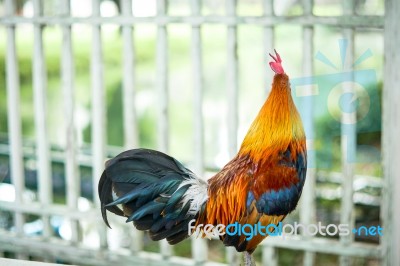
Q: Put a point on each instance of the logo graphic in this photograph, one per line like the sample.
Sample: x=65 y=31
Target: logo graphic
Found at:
x=281 y=230
x=347 y=99
x=368 y=231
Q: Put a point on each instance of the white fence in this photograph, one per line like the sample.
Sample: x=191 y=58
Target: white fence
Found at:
x=50 y=248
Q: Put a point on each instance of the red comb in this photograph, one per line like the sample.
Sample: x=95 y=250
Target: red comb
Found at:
x=276 y=66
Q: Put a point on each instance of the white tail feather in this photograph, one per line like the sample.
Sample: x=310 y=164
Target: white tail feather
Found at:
x=196 y=194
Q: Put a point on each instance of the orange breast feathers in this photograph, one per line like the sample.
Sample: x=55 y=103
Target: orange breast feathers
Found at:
x=229 y=189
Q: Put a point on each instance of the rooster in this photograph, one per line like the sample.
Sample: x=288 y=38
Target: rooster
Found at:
x=260 y=185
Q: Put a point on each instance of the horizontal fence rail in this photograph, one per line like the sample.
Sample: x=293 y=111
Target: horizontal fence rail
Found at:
x=336 y=21
x=348 y=187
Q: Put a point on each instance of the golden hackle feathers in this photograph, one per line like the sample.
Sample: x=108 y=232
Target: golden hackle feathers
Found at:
x=277 y=124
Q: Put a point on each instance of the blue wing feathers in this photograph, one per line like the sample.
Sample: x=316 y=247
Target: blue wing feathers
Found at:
x=153 y=207
x=284 y=200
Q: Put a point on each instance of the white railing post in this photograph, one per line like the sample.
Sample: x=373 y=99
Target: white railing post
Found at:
x=14 y=117
x=73 y=188
x=128 y=100
x=269 y=39
x=14 y=121
x=269 y=254
x=128 y=80
x=390 y=137
x=348 y=141
x=232 y=90
x=199 y=246
x=163 y=96
x=98 y=113
x=308 y=208
x=42 y=141
x=162 y=78
x=232 y=79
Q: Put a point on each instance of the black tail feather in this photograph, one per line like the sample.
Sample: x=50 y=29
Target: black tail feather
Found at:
x=147 y=184
x=144 y=223
x=168 y=233
x=178 y=237
x=105 y=185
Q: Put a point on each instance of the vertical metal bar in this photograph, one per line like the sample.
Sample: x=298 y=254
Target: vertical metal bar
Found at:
x=128 y=98
x=269 y=256
x=348 y=141
x=199 y=246
x=232 y=79
x=14 y=118
x=307 y=211
x=42 y=145
x=197 y=73
x=98 y=102
x=391 y=142
x=232 y=89
x=14 y=122
x=67 y=80
x=98 y=111
x=269 y=36
x=162 y=77
x=128 y=56
x=348 y=148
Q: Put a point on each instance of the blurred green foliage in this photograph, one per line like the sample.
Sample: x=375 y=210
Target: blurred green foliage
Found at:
x=329 y=131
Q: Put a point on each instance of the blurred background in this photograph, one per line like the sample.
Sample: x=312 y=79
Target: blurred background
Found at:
x=178 y=85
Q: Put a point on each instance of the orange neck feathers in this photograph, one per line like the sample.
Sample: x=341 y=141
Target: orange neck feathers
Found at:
x=277 y=125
